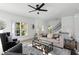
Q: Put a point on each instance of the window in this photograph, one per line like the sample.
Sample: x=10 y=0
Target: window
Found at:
x=21 y=29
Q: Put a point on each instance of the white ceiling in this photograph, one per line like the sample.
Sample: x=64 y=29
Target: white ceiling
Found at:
x=55 y=10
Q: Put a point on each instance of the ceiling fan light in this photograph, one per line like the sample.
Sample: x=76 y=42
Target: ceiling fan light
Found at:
x=37 y=12
x=37 y=6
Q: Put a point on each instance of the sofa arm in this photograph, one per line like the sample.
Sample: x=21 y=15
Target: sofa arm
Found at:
x=16 y=49
x=11 y=53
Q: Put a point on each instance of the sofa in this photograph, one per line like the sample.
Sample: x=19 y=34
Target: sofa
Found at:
x=57 y=41
x=15 y=50
x=6 y=44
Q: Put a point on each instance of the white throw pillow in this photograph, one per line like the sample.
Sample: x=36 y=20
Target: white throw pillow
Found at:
x=50 y=35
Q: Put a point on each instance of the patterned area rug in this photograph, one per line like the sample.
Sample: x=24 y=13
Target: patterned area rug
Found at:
x=29 y=50
x=27 y=42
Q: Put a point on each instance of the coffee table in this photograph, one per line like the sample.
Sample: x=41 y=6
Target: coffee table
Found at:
x=42 y=46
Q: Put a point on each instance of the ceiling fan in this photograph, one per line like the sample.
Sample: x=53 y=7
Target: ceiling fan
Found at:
x=38 y=8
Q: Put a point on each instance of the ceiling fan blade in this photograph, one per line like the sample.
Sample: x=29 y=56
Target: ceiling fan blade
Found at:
x=31 y=6
x=43 y=10
x=41 y=5
x=32 y=11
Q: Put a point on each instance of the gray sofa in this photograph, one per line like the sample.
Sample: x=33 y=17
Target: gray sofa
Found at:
x=16 y=50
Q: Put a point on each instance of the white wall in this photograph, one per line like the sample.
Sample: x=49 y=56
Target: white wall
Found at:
x=70 y=24
x=9 y=19
x=38 y=25
x=52 y=22
x=40 y=22
x=76 y=17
